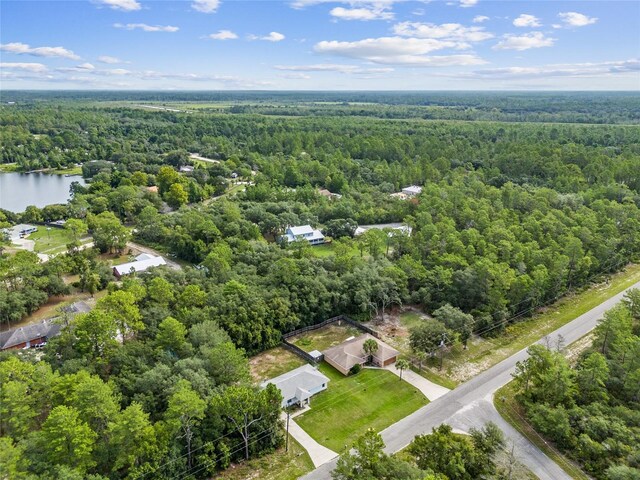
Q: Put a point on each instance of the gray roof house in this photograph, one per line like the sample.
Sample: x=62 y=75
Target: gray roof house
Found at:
x=29 y=335
x=298 y=385
x=304 y=232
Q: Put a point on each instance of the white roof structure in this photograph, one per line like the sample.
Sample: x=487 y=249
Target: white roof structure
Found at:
x=402 y=227
x=301 y=230
x=306 y=232
x=298 y=382
x=412 y=190
x=142 y=263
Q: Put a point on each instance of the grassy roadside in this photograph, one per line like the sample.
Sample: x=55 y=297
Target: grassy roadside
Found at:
x=461 y=365
x=506 y=404
x=279 y=465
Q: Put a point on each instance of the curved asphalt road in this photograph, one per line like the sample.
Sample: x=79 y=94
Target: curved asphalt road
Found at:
x=471 y=405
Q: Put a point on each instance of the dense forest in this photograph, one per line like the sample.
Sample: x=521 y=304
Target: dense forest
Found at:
x=512 y=216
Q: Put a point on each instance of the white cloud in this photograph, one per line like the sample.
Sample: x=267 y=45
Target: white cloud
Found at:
x=451 y=31
x=332 y=67
x=398 y=51
x=295 y=76
x=25 y=67
x=205 y=6
x=363 y=14
x=524 y=42
x=563 y=70
x=110 y=60
x=480 y=18
x=575 y=19
x=125 y=5
x=298 y=4
x=526 y=20
x=86 y=66
x=468 y=3
x=146 y=28
x=223 y=35
x=272 y=37
x=24 y=49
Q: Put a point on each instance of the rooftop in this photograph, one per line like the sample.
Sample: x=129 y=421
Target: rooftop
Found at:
x=350 y=352
x=146 y=261
x=17 y=336
x=305 y=377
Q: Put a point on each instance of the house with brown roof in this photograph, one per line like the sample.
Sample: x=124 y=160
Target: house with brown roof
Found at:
x=351 y=352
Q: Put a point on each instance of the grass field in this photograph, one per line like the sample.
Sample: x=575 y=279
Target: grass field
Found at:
x=324 y=337
x=513 y=413
x=50 y=241
x=68 y=171
x=275 y=466
x=8 y=167
x=460 y=365
x=273 y=362
x=372 y=398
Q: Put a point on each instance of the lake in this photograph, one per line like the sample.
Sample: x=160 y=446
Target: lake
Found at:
x=19 y=190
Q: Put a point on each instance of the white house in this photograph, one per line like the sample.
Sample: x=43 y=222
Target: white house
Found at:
x=298 y=385
x=142 y=262
x=412 y=191
x=304 y=232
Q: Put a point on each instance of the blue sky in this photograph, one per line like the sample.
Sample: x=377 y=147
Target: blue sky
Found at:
x=320 y=45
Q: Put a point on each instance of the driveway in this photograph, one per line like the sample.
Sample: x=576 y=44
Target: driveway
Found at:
x=429 y=389
x=471 y=405
x=319 y=454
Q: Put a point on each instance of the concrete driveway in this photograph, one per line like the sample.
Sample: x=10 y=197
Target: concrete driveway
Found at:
x=429 y=389
x=319 y=454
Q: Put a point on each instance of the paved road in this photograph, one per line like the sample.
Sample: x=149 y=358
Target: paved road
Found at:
x=471 y=404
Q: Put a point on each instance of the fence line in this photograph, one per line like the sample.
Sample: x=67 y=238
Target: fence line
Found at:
x=298 y=351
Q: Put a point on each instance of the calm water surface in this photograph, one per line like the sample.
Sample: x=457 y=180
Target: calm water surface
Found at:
x=19 y=190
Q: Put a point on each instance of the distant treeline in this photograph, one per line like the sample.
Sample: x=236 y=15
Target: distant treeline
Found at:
x=564 y=107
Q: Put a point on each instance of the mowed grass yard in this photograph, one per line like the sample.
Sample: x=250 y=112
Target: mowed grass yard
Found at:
x=273 y=362
x=52 y=241
x=372 y=398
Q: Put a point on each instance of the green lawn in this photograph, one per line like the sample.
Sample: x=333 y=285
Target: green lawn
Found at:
x=279 y=465
x=372 y=398
x=512 y=412
x=50 y=241
x=273 y=362
x=324 y=337
x=8 y=167
x=68 y=171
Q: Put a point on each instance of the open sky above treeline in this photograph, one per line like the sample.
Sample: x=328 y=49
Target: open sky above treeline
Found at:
x=320 y=45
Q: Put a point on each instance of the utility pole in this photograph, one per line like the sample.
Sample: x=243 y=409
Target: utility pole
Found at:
x=442 y=349
x=286 y=448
